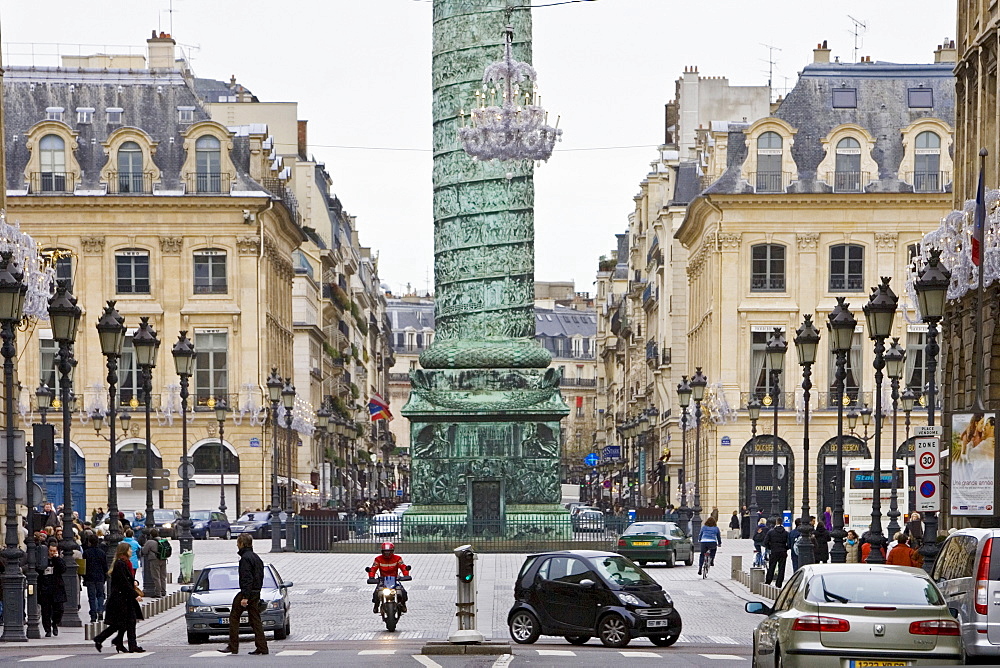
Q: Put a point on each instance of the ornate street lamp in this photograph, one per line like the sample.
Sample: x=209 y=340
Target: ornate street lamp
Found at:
x=64 y=316
x=806 y=344
x=184 y=357
x=684 y=392
x=840 y=325
x=322 y=420
x=288 y=401
x=111 y=333
x=221 y=407
x=146 y=344
x=932 y=291
x=753 y=411
x=777 y=346
x=879 y=312
x=895 y=358
x=698 y=384
x=12 y=293
x=43 y=398
x=274 y=386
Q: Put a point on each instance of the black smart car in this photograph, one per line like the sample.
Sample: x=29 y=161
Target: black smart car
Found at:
x=579 y=594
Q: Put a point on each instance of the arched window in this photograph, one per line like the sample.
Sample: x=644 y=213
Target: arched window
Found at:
x=769 y=177
x=52 y=162
x=927 y=163
x=847 y=268
x=767 y=268
x=848 y=175
x=208 y=164
x=133 y=456
x=206 y=460
x=130 y=168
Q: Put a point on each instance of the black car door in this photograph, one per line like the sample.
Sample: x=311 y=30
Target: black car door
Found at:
x=568 y=604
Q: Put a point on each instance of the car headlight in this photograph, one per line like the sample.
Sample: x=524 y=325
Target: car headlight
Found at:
x=670 y=601
x=199 y=608
x=628 y=599
x=166 y=525
x=199 y=525
x=274 y=605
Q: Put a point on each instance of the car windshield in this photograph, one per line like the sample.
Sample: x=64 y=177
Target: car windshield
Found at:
x=200 y=514
x=622 y=571
x=253 y=517
x=228 y=577
x=873 y=589
x=651 y=528
x=163 y=515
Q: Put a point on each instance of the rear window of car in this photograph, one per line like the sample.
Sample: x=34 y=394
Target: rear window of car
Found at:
x=658 y=529
x=869 y=588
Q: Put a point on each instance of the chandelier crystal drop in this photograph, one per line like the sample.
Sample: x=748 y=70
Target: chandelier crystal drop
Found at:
x=507 y=121
x=39 y=275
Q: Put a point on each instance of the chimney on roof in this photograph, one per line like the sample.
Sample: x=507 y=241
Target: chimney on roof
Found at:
x=161 y=52
x=303 y=144
x=821 y=54
x=946 y=52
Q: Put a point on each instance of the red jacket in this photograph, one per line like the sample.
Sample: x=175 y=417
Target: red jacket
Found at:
x=386 y=567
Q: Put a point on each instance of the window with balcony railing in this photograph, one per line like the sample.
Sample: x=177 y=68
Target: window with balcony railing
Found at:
x=767 y=268
x=847 y=264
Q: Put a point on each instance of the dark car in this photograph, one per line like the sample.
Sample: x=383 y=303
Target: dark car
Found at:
x=257 y=524
x=580 y=594
x=656 y=541
x=209 y=524
x=209 y=600
x=588 y=520
x=165 y=520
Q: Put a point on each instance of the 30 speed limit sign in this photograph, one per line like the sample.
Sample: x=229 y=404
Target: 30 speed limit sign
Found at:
x=926 y=452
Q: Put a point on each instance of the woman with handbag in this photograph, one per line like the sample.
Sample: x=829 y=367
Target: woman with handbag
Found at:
x=121 y=610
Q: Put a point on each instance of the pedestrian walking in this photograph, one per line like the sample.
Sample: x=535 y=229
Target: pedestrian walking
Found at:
x=914 y=529
x=154 y=556
x=793 y=545
x=51 y=591
x=851 y=545
x=734 y=521
x=134 y=544
x=828 y=519
x=776 y=541
x=51 y=518
x=122 y=611
x=903 y=554
x=758 y=542
x=95 y=577
x=247 y=598
x=715 y=514
x=746 y=524
x=822 y=539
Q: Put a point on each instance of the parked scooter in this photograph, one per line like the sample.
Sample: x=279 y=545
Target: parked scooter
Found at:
x=391 y=598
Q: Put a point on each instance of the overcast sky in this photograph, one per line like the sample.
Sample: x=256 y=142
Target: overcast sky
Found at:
x=360 y=71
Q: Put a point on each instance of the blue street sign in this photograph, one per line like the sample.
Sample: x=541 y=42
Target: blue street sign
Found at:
x=399 y=492
x=612 y=452
x=591 y=459
x=254 y=442
x=726 y=441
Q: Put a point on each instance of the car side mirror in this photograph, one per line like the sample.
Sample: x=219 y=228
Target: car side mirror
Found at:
x=287 y=584
x=757 y=608
x=187 y=589
x=588 y=583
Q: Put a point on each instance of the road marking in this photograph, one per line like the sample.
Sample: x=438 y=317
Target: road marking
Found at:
x=426 y=660
x=722 y=640
x=723 y=657
x=435 y=587
x=48 y=657
x=641 y=655
x=367 y=635
x=312 y=637
x=369 y=652
x=555 y=652
x=123 y=656
x=694 y=593
x=209 y=654
x=296 y=652
x=503 y=661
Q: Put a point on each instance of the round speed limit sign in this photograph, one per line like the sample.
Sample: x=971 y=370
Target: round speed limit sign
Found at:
x=927 y=460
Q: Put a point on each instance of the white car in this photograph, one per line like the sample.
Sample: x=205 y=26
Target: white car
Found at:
x=386 y=525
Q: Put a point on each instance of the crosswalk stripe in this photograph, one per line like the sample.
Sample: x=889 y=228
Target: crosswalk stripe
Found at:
x=208 y=654
x=426 y=661
x=555 y=652
x=47 y=657
x=369 y=652
x=296 y=652
x=722 y=640
x=641 y=655
x=124 y=656
x=723 y=657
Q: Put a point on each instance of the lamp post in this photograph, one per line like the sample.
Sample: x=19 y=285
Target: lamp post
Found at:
x=43 y=395
x=879 y=312
x=698 y=384
x=274 y=386
x=184 y=356
x=64 y=315
x=288 y=401
x=322 y=420
x=146 y=344
x=906 y=401
x=111 y=333
x=12 y=292
x=840 y=325
x=331 y=430
x=684 y=392
x=753 y=410
x=806 y=344
x=932 y=291
x=777 y=346
x=220 y=416
x=895 y=357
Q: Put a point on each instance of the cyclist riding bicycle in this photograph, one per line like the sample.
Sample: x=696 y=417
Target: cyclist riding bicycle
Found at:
x=710 y=538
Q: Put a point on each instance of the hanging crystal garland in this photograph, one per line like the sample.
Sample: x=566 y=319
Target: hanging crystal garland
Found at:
x=507 y=121
x=39 y=275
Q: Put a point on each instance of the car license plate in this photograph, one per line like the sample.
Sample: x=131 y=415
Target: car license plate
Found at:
x=244 y=619
x=870 y=663
x=656 y=623
x=644 y=543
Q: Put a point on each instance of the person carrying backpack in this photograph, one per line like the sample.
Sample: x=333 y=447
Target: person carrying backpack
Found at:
x=155 y=553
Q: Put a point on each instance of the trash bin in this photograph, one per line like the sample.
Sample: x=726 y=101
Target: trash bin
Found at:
x=187 y=567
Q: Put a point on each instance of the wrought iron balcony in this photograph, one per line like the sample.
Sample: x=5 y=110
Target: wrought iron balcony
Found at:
x=928 y=182
x=770 y=182
x=52 y=183
x=848 y=181
x=130 y=183
x=211 y=183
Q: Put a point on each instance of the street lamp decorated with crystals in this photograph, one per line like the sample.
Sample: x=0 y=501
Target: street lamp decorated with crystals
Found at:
x=507 y=121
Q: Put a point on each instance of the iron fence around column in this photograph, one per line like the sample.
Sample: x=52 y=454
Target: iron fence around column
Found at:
x=428 y=533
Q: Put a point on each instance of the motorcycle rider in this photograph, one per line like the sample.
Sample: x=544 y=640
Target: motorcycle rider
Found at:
x=388 y=563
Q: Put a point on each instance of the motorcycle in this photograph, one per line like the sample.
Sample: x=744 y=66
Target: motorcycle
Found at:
x=388 y=593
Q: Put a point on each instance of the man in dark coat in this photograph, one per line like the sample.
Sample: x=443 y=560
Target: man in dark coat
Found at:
x=746 y=524
x=776 y=541
x=793 y=536
x=51 y=591
x=247 y=598
x=822 y=539
x=95 y=576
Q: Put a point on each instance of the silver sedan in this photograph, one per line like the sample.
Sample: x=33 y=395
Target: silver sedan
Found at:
x=856 y=616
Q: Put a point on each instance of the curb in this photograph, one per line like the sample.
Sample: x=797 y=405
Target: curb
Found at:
x=443 y=647
x=155 y=622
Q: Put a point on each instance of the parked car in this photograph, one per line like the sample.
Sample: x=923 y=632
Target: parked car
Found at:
x=209 y=524
x=575 y=508
x=385 y=525
x=656 y=541
x=209 y=599
x=969 y=577
x=831 y=615
x=580 y=594
x=165 y=519
x=588 y=520
x=103 y=528
x=401 y=508
x=258 y=524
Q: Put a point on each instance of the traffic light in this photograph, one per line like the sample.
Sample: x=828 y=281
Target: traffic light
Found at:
x=466 y=565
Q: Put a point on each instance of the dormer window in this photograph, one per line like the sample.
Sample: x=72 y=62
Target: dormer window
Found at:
x=845 y=98
x=769 y=177
x=114 y=115
x=54 y=113
x=185 y=114
x=847 y=178
x=920 y=98
x=84 y=115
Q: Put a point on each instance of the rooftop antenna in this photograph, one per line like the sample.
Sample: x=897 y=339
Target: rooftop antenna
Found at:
x=860 y=28
x=770 y=67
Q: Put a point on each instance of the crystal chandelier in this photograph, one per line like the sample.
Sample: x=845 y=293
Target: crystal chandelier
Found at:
x=507 y=121
x=39 y=275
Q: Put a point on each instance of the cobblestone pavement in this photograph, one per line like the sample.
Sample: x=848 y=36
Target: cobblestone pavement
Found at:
x=331 y=602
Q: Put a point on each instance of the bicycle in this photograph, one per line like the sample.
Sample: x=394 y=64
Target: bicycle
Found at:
x=705 y=564
x=758 y=559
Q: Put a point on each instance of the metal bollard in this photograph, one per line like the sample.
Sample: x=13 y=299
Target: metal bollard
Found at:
x=736 y=567
x=756 y=580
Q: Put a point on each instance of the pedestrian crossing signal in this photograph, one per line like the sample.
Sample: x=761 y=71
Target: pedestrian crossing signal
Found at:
x=466 y=565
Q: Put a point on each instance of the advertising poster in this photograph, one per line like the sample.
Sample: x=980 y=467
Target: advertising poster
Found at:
x=972 y=455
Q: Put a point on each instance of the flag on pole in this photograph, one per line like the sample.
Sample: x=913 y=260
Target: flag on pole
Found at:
x=378 y=408
x=980 y=220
